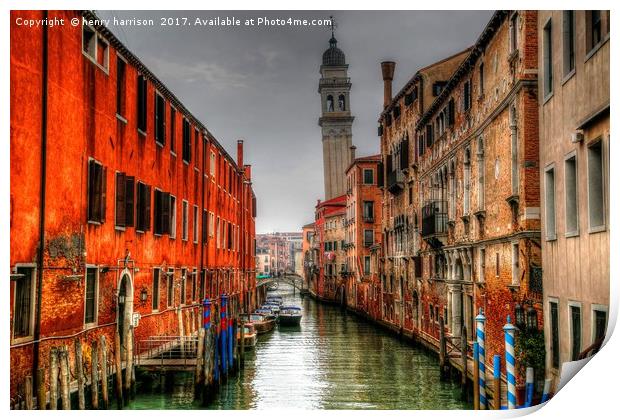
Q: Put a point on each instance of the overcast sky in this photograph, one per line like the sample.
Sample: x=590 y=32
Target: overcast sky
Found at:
x=260 y=84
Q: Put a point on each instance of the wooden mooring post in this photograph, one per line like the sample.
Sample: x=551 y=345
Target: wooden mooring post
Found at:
x=94 y=376
x=53 y=378
x=41 y=393
x=242 y=334
x=442 y=349
x=64 y=378
x=103 y=352
x=119 y=371
x=79 y=372
x=235 y=355
x=28 y=392
x=464 y=361
x=199 y=380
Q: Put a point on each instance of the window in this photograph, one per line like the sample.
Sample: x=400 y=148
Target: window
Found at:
x=596 y=206
x=96 y=191
x=195 y=225
x=170 y=285
x=183 y=283
x=196 y=145
x=185 y=221
x=593 y=28
x=550 y=203
x=497 y=264
x=570 y=188
x=125 y=195
x=481 y=78
x=217 y=232
x=95 y=47
x=173 y=217
x=600 y=322
x=369 y=177
x=205 y=224
x=367 y=265
x=466 y=180
x=90 y=296
x=555 y=334
x=547 y=60
x=143 y=208
x=369 y=211
x=341 y=103
x=187 y=141
x=194 y=284
x=514 y=31
x=451 y=112
x=568 y=41
x=23 y=303
x=368 y=237
x=467 y=95
x=429 y=135
x=229 y=235
x=212 y=164
x=161 y=212
x=515 y=264
x=211 y=224
x=141 y=103
x=481 y=264
x=575 y=326
x=156 y=276
x=160 y=119
x=120 y=85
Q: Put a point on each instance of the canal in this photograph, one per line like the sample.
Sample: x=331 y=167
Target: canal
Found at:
x=334 y=360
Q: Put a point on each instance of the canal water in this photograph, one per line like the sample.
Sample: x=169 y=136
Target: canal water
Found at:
x=334 y=360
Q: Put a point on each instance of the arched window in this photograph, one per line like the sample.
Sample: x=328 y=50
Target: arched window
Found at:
x=341 y=103
x=330 y=103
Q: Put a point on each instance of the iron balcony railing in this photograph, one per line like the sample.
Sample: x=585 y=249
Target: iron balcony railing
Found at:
x=182 y=349
x=434 y=218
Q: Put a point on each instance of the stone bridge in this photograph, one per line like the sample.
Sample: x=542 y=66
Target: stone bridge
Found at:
x=290 y=279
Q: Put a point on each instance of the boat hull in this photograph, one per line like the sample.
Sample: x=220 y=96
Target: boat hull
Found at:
x=265 y=326
x=289 y=320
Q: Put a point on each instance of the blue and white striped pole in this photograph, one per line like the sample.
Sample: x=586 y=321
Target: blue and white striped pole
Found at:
x=509 y=334
x=480 y=320
x=497 y=387
x=529 y=386
x=546 y=391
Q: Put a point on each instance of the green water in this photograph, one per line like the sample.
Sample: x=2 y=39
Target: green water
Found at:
x=332 y=361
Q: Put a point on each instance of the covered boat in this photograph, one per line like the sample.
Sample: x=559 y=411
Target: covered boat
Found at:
x=290 y=315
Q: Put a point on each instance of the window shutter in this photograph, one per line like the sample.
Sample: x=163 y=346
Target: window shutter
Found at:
x=204 y=226
x=165 y=212
x=147 y=207
x=121 y=184
x=92 y=174
x=404 y=153
x=389 y=164
x=104 y=183
x=156 y=112
x=129 y=200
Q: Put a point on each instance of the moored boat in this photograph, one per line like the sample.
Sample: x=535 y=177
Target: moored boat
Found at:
x=250 y=335
x=262 y=323
x=290 y=315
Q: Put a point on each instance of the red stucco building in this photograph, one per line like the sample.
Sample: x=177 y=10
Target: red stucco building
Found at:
x=122 y=202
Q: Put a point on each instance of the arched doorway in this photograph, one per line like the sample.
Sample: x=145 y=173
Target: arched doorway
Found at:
x=124 y=307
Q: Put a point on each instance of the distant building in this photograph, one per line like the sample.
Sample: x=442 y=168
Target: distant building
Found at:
x=574 y=94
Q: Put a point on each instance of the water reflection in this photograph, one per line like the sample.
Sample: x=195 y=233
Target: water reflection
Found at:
x=331 y=361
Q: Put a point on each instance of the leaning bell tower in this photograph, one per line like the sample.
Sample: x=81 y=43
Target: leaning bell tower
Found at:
x=336 y=119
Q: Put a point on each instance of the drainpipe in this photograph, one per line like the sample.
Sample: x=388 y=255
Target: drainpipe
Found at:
x=41 y=250
x=203 y=272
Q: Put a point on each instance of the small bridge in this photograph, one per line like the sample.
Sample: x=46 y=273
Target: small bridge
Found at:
x=290 y=279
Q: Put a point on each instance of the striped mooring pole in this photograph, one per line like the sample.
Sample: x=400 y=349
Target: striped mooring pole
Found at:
x=497 y=385
x=546 y=391
x=230 y=339
x=480 y=320
x=529 y=386
x=509 y=334
x=223 y=335
x=206 y=321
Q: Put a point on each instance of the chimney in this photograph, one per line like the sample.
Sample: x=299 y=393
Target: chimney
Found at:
x=352 y=148
x=240 y=153
x=387 y=70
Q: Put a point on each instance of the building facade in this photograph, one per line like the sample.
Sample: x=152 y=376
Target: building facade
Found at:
x=125 y=211
x=400 y=261
x=363 y=234
x=336 y=119
x=574 y=171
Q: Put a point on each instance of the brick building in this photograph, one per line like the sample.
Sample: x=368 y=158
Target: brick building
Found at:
x=574 y=169
x=123 y=205
x=477 y=173
x=309 y=249
x=363 y=234
x=400 y=239
x=330 y=234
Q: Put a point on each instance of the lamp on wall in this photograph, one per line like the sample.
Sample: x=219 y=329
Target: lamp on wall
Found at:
x=519 y=316
x=143 y=295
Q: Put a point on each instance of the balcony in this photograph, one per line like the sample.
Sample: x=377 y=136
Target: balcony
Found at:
x=434 y=221
x=369 y=219
x=396 y=182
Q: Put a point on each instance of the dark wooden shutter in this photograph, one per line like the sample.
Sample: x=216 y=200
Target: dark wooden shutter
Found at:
x=92 y=175
x=388 y=163
x=147 y=207
x=104 y=185
x=451 y=112
x=404 y=153
x=165 y=212
x=121 y=207
x=380 y=174
x=129 y=200
x=204 y=226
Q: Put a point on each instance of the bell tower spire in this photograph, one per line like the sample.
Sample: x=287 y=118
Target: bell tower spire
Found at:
x=336 y=119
